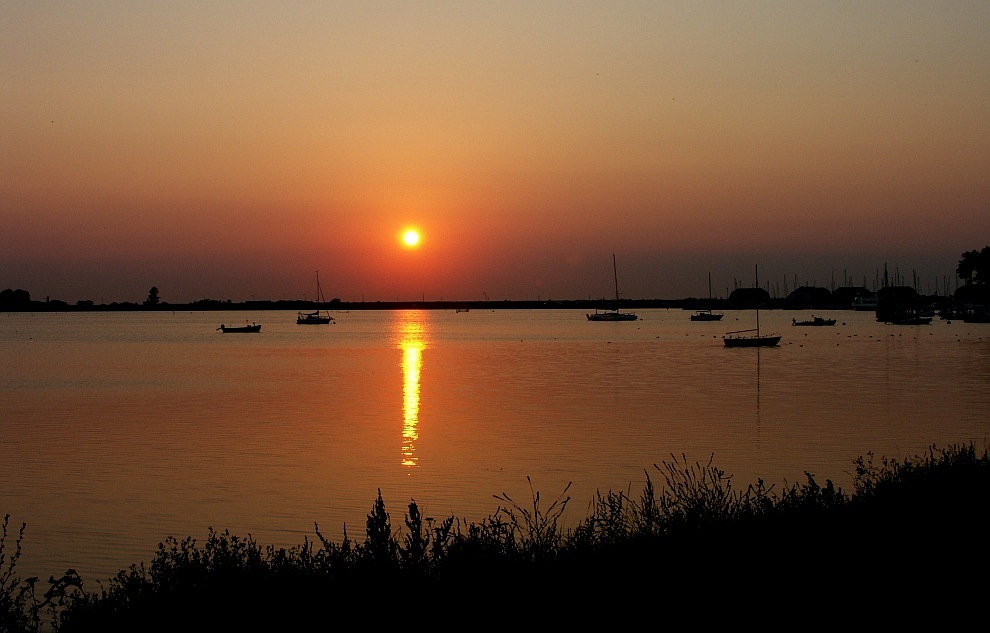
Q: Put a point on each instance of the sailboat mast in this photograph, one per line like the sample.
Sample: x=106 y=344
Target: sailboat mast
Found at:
x=756 y=274
x=615 y=275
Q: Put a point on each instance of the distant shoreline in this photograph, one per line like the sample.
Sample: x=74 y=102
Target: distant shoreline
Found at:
x=209 y=305
x=343 y=306
x=804 y=298
x=739 y=299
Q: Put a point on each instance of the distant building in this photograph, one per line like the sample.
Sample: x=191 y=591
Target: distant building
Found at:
x=809 y=297
x=743 y=298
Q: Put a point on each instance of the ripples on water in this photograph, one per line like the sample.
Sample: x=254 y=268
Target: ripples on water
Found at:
x=123 y=428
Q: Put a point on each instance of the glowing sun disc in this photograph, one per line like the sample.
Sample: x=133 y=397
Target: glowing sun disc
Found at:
x=410 y=237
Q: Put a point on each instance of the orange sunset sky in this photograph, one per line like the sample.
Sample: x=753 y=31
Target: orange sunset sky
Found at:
x=228 y=150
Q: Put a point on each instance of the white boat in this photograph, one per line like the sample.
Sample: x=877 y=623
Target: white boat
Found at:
x=752 y=337
x=614 y=314
x=316 y=317
x=866 y=302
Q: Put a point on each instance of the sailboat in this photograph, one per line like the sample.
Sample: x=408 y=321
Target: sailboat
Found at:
x=751 y=337
x=316 y=317
x=613 y=314
x=707 y=315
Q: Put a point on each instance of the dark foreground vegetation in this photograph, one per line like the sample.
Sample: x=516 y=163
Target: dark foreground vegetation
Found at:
x=909 y=546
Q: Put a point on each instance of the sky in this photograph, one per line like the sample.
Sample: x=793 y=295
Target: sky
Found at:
x=235 y=150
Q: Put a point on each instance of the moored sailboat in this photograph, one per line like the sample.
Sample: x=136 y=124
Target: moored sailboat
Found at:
x=613 y=314
x=707 y=314
x=752 y=337
x=317 y=317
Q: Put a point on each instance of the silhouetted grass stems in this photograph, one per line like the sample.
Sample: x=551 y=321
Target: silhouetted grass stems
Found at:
x=694 y=540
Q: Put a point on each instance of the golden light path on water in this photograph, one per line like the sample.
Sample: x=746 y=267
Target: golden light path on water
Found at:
x=412 y=341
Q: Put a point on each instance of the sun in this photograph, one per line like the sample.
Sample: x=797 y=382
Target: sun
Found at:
x=410 y=238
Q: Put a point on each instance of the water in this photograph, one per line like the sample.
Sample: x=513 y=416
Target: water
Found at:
x=120 y=429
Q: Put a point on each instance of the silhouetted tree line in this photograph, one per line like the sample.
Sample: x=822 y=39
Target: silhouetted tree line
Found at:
x=14 y=298
x=974 y=267
x=974 y=270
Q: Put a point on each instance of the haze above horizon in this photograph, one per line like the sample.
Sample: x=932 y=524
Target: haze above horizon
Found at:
x=231 y=150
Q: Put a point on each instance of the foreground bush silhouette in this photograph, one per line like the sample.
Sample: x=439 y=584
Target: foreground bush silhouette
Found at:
x=913 y=533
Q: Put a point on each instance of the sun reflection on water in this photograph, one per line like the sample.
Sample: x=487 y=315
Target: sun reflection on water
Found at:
x=411 y=330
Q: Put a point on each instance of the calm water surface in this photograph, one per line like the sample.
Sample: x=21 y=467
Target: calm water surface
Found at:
x=119 y=429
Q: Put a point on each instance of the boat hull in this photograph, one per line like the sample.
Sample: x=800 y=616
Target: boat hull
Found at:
x=908 y=320
x=815 y=322
x=612 y=316
x=246 y=329
x=311 y=320
x=752 y=341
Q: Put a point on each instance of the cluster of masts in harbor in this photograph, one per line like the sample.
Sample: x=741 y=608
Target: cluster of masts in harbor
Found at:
x=880 y=280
